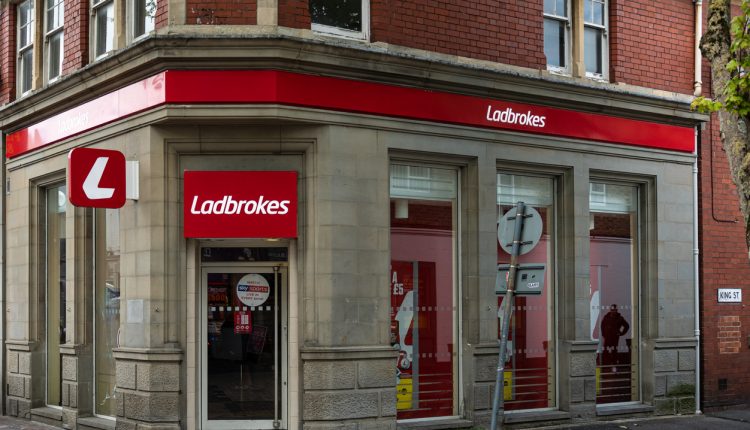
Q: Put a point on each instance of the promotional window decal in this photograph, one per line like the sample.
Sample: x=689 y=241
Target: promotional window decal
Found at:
x=253 y=290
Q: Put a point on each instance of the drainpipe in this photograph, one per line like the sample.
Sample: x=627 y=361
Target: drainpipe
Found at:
x=696 y=282
x=697 y=82
x=697 y=90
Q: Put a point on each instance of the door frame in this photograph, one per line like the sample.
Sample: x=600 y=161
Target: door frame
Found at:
x=283 y=315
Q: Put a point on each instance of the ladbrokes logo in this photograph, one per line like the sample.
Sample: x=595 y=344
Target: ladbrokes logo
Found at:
x=229 y=206
x=507 y=116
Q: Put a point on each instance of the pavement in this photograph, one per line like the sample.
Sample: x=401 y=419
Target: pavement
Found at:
x=738 y=419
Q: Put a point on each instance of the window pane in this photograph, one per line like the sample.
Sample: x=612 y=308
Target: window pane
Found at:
x=55 y=52
x=346 y=14
x=549 y=6
x=25 y=24
x=26 y=70
x=598 y=13
x=530 y=368
x=554 y=42
x=561 y=8
x=145 y=13
x=592 y=48
x=107 y=308
x=55 y=288
x=105 y=29
x=54 y=14
x=422 y=288
x=613 y=292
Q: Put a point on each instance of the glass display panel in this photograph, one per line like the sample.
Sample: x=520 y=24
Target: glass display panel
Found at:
x=107 y=309
x=242 y=358
x=422 y=288
x=529 y=375
x=346 y=14
x=613 y=289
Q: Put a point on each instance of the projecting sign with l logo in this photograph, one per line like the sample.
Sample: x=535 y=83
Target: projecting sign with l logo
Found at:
x=96 y=178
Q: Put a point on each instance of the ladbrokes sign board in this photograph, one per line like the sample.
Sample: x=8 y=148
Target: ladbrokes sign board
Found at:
x=240 y=204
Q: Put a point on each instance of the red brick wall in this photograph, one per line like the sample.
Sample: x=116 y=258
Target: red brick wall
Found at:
x=221 y=12
x=162 y=13
x=294 y=13
x=651 y=43
x=7 y=52
x=506 y=31
x=76 y=40
x=724 y=264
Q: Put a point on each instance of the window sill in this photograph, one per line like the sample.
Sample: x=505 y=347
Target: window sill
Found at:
x=623 y=409
x=448 y=423
x=535 y=416
x=47 y=415
x=96 y=423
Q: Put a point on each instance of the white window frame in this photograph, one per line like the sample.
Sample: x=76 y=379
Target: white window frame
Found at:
x=363 y=34
x=604 y=40
x=94 y=28
x=131 y=17
x=49 y=34
x=567 y=20
x=21 y=50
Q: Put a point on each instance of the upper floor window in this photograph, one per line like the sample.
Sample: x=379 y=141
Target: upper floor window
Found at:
x=348 y=18
x=103 y=28
x=594 y=37
x=563 y=31
x=556 y=34
x=54 y=39
x=25 y=46
x=144 y=17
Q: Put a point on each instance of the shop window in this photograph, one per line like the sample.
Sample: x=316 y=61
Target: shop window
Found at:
x=594 y=37
x=103 y=27
x=25 y=47
x=144 y=17
x=423 y=289
x=106 y=308
x=614 y=290
x=54 y=291
x=530 y=373
x=54 y=39
x=348 y=18
x=556 y=34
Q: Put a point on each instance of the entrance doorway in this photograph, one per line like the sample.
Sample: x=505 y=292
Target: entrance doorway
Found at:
x=244 y=342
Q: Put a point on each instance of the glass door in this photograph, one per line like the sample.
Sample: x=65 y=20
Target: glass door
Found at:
x=244 y=346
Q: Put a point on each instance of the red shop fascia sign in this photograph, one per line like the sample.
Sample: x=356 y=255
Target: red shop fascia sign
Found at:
x=257 y=87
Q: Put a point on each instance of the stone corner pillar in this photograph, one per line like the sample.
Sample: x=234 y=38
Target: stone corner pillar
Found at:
x=148 y=388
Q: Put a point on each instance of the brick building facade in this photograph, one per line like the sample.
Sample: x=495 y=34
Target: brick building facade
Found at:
x=411 y=126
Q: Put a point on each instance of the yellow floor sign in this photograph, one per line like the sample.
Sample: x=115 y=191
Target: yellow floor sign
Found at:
x=508 y=385
x=404 y=394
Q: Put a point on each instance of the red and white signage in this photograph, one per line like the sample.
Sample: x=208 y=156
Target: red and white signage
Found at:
x=240 y=204
x=320 y=92
x=96 y=178
x=253 y=290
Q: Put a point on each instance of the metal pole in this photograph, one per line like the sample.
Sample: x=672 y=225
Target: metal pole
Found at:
x=276 y=355
x=498 y=403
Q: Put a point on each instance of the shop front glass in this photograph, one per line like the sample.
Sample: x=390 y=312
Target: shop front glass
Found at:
x=55 y=256
x=106 y=308
x=244 y=344
x=423 y=289
x=613 y=245
x=530 y=374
